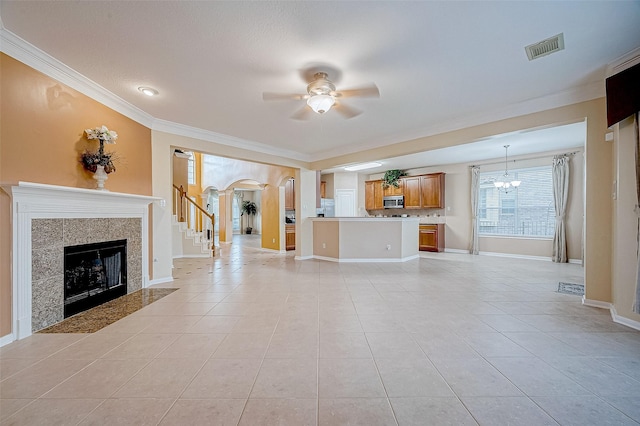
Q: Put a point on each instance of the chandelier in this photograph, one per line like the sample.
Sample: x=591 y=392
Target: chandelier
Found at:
x=506 y=184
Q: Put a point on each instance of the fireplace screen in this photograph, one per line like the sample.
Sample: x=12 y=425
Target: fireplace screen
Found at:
x=94 y=274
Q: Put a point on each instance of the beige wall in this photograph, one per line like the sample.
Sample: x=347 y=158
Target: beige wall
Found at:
x=365 y=238
x=625 y=221
x=328 y=178
x=41 y=139
x=326 y=241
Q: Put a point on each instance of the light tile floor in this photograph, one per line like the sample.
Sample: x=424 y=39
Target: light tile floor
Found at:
x=256 y=338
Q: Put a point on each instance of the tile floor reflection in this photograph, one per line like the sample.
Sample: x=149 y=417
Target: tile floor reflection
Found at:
x=257 y=338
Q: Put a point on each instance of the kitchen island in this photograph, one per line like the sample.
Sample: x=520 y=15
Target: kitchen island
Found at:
x=365 y=239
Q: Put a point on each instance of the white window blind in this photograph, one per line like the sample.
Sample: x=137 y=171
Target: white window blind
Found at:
x=524 y=212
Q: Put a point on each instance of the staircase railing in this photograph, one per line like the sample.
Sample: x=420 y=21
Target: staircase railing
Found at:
x=197 y=218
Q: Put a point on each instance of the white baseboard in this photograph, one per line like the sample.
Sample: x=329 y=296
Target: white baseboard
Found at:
x=624 y=321
x=276 y=251
x=355 y=260
x=161 y=281
x=596 y=303
x=614 y=314
x=303 y=257
x=192 y=256
x=450 y=250
x=5 y=340
x=515 y=256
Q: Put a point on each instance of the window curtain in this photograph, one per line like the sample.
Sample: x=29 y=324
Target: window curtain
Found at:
x=560 y=173
x=475 y=194
x=636 y=305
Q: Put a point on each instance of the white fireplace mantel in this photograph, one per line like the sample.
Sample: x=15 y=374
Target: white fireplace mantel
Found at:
x=39 y=201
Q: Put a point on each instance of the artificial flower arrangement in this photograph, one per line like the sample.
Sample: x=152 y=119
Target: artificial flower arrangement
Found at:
x=91 y=159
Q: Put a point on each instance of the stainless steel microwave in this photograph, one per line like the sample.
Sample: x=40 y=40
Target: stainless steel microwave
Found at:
x=393 y=202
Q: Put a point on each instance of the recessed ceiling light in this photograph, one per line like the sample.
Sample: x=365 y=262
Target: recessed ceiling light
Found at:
x=148 y=91
x=362 y=166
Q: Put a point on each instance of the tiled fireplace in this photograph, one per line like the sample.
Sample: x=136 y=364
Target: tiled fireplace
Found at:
x=48 y=218
x=50 y=238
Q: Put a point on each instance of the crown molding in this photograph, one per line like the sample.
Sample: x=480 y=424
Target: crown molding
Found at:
x=574 y=95
x=37 y=59
x=222 y=139
x=623 y=62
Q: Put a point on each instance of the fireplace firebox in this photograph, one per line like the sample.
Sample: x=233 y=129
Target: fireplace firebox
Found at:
x=94 y=274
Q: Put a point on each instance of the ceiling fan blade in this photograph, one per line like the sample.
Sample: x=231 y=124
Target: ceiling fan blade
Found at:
x=346 y=111
x=268 y=96
x=370 y=91
x=303 y=113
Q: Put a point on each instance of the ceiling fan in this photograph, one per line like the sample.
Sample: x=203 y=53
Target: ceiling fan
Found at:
x=322 y=96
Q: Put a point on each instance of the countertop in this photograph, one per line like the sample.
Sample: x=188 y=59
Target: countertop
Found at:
x=429 y=220
x=368 y=219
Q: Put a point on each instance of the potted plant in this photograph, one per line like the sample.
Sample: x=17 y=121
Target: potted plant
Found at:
x=250 y=208
x=391 y=178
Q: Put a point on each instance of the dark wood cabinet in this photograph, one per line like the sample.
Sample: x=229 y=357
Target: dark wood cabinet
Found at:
x=431 y=237
x=290 y=237
x=289 y=195
x=373 y=195
x=412 y=193
x=432 y=189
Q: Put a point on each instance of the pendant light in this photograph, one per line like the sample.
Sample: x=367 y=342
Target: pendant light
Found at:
x=506 y=184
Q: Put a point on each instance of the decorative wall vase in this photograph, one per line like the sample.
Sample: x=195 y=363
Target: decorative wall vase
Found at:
x=100 y=176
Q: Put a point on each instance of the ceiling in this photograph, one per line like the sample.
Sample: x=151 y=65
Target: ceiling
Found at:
x=439 y=65
x=521 y=144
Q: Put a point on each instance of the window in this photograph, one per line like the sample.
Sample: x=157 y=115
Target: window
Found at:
x=191 y=169
x=526 y=212
x=236 y=208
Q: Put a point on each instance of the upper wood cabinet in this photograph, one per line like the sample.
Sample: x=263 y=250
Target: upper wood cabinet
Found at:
x=420 y=192
x=323 y=189
x=432 y=189
x=289 y=195
x=392 y=190
x=412 y=193
x=373 y=195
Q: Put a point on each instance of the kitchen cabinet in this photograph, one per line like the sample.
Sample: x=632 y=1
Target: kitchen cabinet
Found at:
x=290 y=237
x=323 y=189
x=373 y=195
x=431 y=237
x=412 y=193
x=392 y=190
x=289 y=195
x=432 y=190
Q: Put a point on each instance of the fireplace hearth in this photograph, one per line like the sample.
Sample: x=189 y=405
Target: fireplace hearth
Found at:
x=94 y=274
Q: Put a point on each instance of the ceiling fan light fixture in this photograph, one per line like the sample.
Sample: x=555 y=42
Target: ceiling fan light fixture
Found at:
x=321 y=103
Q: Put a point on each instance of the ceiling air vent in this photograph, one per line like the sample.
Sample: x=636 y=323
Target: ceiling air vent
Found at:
x=545 y=47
